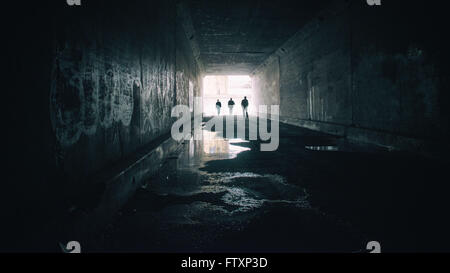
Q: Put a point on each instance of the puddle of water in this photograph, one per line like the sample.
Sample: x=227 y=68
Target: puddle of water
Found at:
x=234 y=192
x=323 y=148
x=211 y=148
x=213 y=145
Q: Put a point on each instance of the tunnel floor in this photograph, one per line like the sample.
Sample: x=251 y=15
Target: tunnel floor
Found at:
x=316 y=193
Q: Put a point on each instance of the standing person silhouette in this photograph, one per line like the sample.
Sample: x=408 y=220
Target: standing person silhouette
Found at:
x=218 y=106
x=245 y=105
x=231 y=106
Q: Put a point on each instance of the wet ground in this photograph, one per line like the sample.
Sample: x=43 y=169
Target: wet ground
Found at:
x=316 y=193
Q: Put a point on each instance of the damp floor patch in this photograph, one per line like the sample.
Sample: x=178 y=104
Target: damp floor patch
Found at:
x=322 y=148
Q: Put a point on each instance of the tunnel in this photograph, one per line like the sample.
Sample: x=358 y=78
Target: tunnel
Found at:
x=336 y=139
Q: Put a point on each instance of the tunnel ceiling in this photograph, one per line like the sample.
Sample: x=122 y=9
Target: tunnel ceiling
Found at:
x=234 y=37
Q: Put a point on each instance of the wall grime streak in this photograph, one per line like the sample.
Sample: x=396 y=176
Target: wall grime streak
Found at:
x=82 y=98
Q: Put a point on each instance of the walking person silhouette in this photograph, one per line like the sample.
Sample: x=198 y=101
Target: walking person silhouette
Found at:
x=231 y=106
x=218 y=107
x=245 y=105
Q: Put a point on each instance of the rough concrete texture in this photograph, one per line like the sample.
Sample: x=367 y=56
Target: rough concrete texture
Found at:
x=104 y=84
x=342 y=75
x=189 y=81
x=112 y=86
x=121 y=182
x=316 y=193
x=266 y=84
x=89 y=91
x=236 y=36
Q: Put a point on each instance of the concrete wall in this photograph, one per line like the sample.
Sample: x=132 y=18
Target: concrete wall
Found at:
x=113 y=82
x=93 y=93
x=373 y=74
x=187 y=69
x=266 y=84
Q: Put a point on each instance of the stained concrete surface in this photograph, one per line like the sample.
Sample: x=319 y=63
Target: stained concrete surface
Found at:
x=375 y=81
x=94 y=85
x=101 y=81
x=317 y=193
x=234 y=37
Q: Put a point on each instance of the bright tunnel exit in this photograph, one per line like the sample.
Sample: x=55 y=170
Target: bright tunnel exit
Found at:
x=224 y=88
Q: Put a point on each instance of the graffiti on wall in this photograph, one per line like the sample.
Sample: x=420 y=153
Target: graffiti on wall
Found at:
x=89 y=91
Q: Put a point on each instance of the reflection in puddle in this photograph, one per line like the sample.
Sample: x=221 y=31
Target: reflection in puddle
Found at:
x=197 y=152
x=323 y=148
x=212 y=145
x=225 y=193
x=223 y=147
x=221 y=195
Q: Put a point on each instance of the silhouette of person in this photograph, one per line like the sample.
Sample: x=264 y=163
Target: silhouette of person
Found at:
x=218 y=106
x=245 y=105
x=231 y=106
